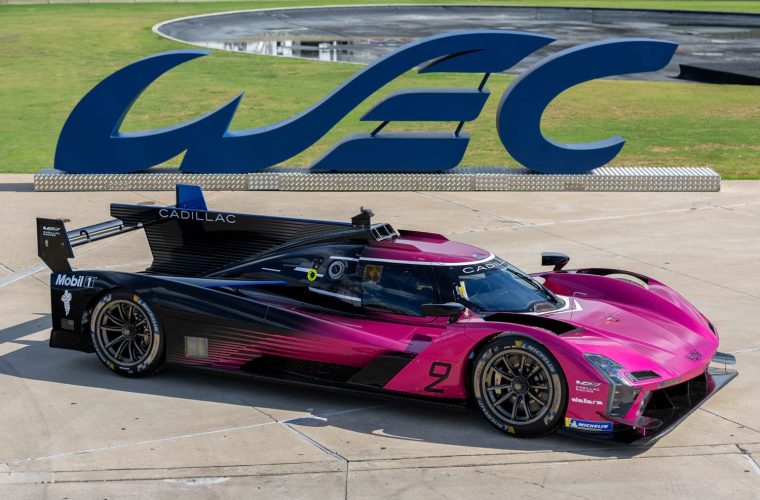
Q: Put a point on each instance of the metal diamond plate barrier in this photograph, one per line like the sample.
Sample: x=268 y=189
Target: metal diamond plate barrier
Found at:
x=603 y=179
x=460 y=179
x=158 y=180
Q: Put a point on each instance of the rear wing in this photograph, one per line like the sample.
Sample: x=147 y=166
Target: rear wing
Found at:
x=187 y=239
x=54 y=243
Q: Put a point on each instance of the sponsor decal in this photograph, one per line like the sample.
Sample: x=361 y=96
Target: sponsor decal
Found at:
x=588 y=425
x=74 y=281
x=585 y=401
x=336 y=269
x=66 y=299
x=587 y=384
x=587 y=387
x=51 y=231
x=694 y=356
x=166 y=213
x=483 y=267
x=550 y=416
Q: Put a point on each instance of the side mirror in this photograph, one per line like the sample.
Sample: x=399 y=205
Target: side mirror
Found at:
x=556 y=259
x=451 y=310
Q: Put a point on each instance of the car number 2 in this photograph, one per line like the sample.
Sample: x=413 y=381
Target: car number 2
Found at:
x=440 y=372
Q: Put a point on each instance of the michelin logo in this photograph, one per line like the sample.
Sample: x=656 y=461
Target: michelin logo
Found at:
x=74 y=281
x=66 y=299
x=588 y=425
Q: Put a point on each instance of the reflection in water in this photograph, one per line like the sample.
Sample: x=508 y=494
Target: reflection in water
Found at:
x=361 y=35
x=364 y=50
x=744 y=34
x=359 y=51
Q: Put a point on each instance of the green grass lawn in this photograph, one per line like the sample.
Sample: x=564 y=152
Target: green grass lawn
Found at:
x=51 y=55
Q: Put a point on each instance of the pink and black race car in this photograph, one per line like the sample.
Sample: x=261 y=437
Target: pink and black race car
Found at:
x=601 y=353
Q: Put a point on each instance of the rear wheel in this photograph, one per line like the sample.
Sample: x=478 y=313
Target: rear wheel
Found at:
x=126 y=334
x=519 y=386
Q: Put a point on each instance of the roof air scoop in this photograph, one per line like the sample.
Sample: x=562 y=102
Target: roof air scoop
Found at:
x=363 y=218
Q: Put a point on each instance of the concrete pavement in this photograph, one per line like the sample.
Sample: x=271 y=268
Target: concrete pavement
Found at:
x=71 y=429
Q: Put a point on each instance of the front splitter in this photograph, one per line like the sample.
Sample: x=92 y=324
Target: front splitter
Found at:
x=717 y=379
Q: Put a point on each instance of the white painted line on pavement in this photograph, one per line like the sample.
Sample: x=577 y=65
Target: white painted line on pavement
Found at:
x=551 y=464
x=22 y=274
x=528 y=225
x=9 y=347
x=41 y=267
x=752 y=463
x=182 y=436
x=198 y=481
x=751 y=349
x=139 y=443
x=27 y=477
x=352 y=410
x=41 y=336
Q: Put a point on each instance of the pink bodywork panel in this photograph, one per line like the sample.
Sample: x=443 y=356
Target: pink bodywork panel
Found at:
x=641 y=329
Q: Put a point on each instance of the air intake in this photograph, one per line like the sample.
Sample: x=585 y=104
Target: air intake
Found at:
x=643 y=375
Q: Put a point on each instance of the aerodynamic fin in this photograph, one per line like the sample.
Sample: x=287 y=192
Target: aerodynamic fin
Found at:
x=53 y=245
x=187 y=239
x=191 y=197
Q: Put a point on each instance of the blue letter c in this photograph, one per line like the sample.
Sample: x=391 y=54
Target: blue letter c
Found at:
x=518 y=119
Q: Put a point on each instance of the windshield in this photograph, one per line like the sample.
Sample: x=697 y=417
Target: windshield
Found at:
x=497 y=285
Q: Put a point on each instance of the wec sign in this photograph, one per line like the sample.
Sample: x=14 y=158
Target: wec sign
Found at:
x=91 y=142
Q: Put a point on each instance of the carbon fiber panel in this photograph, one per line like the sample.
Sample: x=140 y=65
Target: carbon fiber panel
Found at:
x=63 y=339
x=191 y=243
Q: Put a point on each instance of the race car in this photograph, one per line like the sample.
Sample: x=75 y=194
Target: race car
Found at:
x=600 y=353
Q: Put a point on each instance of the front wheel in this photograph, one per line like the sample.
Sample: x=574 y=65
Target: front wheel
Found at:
x=519 y=386
x=126 y=334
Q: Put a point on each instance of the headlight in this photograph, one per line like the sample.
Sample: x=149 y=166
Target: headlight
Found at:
x=622 y=395
x=612 y=371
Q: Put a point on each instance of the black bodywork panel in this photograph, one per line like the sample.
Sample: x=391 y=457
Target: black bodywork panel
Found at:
x=553 y=325
x=381 y=370
x=188 y=242
x=53 y=245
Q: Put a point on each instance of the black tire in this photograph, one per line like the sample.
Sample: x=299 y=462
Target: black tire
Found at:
x=518 y=386
x=126 y=334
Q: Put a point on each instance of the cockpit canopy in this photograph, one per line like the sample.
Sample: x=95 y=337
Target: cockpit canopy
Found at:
x=340 y=275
